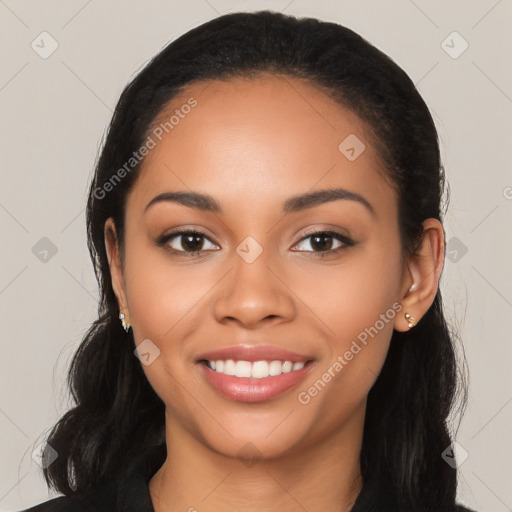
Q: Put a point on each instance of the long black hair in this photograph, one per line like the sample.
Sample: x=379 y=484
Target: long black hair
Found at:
x=407 y=427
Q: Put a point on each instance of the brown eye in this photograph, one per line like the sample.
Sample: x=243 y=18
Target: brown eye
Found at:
x=186 y=243
x=322 y=242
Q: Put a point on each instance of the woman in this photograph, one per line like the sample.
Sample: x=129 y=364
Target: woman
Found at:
x=266 y=228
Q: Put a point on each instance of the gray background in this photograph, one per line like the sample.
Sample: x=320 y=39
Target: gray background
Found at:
x=55 y=110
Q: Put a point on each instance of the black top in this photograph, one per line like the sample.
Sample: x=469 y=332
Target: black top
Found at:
x=130 y=495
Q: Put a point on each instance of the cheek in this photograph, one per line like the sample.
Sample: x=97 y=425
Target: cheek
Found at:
x=159 y=294
x=352 y=296
x=357 y=303
x=163 y=302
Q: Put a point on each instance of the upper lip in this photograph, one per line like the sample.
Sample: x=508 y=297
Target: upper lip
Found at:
x=253 y=353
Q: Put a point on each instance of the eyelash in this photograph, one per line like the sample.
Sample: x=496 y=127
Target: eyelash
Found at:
x=162 y=241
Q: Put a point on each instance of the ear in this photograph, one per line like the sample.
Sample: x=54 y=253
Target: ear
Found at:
x=115 y=264
x=421 y=279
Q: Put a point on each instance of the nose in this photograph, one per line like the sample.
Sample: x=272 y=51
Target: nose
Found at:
x=254 y=294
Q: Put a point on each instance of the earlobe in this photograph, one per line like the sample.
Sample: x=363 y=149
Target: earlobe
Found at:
x=410 y=319
x=422 y=276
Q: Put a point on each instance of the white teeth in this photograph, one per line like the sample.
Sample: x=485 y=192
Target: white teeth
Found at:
x=229 y=367
x=275 y=368
x=242 y=369
x=287 y=367
x=259 y=369
x=256 y=369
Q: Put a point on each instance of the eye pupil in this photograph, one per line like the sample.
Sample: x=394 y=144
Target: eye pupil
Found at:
x=322 y=246
x=189 y=242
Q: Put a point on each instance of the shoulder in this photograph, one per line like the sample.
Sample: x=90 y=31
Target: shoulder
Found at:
x=59 y=504
x=128 y=491
x=102 y=499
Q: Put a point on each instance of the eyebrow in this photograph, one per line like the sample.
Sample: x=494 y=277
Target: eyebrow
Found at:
x=296 y=203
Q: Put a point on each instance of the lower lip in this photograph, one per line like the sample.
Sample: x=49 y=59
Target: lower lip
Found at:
x=245 y=389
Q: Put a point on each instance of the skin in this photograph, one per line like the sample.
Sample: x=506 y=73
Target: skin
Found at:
x=251 y=144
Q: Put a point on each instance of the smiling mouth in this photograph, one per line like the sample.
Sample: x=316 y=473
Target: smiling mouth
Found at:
x=254 y=369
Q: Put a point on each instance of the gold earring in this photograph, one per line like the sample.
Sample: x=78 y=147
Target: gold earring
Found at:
x=410 y=319
x=126 y=325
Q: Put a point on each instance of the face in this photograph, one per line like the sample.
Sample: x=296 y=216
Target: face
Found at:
x=255 y=273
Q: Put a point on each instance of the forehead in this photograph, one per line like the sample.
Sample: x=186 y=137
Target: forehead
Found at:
x=262 y=139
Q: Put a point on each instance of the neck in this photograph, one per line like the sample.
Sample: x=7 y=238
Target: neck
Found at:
x=323 y=475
